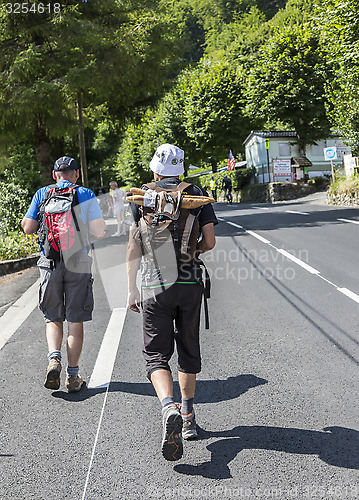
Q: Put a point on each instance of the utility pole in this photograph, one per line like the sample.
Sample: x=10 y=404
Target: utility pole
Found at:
x=82 y=141
x=267 y=149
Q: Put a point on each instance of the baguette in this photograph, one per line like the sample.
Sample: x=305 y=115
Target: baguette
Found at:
x=205 y=199
x=187 y=201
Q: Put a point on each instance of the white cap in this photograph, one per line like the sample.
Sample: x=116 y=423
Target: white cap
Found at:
x=168 y=160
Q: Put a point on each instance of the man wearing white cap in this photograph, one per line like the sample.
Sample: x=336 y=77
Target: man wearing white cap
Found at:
x=171 y=314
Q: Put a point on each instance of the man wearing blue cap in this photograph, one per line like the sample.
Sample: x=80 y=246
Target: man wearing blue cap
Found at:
x=66 y=286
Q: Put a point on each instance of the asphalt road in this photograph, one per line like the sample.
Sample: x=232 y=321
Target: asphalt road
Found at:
x=277 y=399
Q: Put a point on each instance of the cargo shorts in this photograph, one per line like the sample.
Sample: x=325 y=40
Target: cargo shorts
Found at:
x=64 y=294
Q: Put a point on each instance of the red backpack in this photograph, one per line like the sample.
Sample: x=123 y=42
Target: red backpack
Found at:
x=62 y=233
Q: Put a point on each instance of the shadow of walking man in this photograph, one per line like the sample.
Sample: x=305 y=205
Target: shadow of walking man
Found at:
x=337 y=446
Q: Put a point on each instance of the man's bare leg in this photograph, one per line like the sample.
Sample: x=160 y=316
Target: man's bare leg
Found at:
x=54 y=334
x=163 y=383
x=187 y=383
x=75 y=340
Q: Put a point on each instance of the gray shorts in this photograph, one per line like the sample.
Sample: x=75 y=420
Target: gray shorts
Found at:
x=65 y=294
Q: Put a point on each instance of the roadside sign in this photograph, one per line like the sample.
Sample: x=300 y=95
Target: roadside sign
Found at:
x=330 y=153
x=282 y=168
x=267 y=143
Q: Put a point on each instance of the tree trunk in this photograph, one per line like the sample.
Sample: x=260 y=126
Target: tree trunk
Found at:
x=214 y=165
x=43 y=153
x=82 y=141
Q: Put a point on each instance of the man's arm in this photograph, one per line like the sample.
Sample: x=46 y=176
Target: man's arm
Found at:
x=29 y=226
x=133 y=259
x=208 y=240
x=97 y=227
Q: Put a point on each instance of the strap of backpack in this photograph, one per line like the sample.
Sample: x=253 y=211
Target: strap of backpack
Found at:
x=75 y=203
x=206 y=290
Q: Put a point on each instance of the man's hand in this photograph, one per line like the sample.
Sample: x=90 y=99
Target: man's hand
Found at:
x=134 y=300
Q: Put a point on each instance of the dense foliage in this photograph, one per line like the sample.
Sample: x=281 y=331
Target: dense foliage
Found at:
x=198 y=73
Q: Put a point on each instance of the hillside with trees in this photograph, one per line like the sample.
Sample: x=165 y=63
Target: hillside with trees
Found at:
x=122 y=77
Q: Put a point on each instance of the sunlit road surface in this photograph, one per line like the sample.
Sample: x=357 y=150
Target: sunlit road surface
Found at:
x=277 y=398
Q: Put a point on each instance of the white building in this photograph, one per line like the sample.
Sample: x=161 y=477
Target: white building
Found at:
x=281 y=145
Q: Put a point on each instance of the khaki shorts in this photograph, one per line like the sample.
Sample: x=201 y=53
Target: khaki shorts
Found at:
x=64 y=294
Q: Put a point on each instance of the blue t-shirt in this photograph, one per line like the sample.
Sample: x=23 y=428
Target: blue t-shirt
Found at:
x=88 y=204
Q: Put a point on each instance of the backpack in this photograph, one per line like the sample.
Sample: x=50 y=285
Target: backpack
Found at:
x=165 y=228
x=61 y=231
x=163 y=220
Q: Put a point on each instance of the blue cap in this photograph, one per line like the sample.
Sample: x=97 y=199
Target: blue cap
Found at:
x=65 y=163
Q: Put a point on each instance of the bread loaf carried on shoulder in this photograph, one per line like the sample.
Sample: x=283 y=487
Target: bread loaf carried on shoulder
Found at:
x=188 y=201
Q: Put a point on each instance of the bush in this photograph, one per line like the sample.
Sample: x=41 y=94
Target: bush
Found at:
x=13 y=205
x=17 y=245
x=319 y=182
x=239 y=178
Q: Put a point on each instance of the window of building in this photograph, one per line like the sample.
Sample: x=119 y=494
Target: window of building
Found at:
x=318 y=149
x=284 y=149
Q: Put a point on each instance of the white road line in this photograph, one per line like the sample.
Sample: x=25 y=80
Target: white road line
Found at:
x=14 y=317
x=298 y=261
x=235 y=225
x=94 y=445
x=348 y=220
x=102 y=372
x=349 y=294
x=261 y=208
x=296 y=212
x=101 y=375
x=302 y=264
x=220 y=218
x=258 y=236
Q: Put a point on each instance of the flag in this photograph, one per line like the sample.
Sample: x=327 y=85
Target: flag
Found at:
x=231 y=161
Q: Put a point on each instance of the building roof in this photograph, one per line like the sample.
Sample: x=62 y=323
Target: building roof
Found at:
x=270 y=133
x=267 y=134
x=301 y=161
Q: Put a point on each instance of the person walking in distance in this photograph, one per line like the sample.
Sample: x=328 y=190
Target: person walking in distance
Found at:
x=213 y=187
x=227 y=187
x=65 y=266
x=118 y=196
x=171 y=302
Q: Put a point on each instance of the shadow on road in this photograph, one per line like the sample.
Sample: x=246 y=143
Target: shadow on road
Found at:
x=337 y=446
x=207 y=391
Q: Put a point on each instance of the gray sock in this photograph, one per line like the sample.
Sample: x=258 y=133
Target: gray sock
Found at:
x=167 y=401
x=54 y=354
x=72 y=371
x=187 y=407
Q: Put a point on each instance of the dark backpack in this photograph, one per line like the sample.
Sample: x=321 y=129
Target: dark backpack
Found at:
x=167 y=228
x=62 y=233
x=167 y=219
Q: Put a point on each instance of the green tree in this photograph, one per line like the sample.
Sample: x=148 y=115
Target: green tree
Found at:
x=287 y=84
x=203 y=114
x=13 y=205
x=213 y=110
x=338 y=28
x=114 y=53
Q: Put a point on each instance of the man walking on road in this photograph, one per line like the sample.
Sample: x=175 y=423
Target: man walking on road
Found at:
x=227 y=187
x=65 y=285
x=171 y=311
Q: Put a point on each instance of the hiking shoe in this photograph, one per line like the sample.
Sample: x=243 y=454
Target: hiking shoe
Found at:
x=189 y=428
x=172 y=447
x=73 y=384
x=52 y=380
